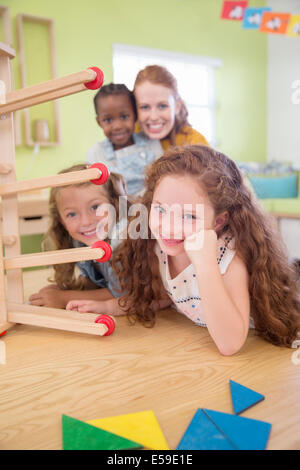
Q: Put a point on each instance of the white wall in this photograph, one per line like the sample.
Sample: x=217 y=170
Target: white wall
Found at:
x=283 y=117
x=290 y=232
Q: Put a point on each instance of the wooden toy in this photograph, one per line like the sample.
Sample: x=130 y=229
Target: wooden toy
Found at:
x=243 y=397
x=244 y=433
x=12 y=308
x=26 y=22
x=2 y=352
x=142 y=427
x=78 y=435
x=214 y=430
x=202 y=434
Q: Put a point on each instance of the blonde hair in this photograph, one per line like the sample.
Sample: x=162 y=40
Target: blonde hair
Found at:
x=274 y=296
x=58 y=238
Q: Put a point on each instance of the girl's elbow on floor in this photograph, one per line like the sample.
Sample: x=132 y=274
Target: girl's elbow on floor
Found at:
x=230 y=349
x=228 y=346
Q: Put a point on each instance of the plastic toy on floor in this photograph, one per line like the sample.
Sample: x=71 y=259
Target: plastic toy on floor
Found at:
x=208 y=429
x=129 y=431
x=243 y=397
x=214 y=430
x=142 y=427
x=78 y=435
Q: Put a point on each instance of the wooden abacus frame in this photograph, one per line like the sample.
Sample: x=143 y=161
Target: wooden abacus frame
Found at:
x=12 y=307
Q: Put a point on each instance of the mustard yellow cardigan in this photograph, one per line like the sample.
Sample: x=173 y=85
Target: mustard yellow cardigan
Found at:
x=188 y=136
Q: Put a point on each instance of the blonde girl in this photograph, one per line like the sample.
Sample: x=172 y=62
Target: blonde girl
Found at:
x=75 y=222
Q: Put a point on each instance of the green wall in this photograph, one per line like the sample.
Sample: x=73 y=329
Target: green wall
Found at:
x=85 y=32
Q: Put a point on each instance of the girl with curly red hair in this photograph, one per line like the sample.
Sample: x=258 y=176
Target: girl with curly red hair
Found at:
x=230 y=274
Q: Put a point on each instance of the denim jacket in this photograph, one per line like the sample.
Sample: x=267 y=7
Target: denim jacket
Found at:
x=102 y=274
x=129 y=161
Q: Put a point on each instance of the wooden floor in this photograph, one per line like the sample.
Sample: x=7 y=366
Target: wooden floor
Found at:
x=172 y=369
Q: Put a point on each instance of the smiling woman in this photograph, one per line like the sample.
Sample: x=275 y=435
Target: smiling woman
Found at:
x=157 y=109
x=162 y=114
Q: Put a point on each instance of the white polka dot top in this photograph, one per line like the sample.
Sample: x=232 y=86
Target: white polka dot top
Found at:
x=183 y=289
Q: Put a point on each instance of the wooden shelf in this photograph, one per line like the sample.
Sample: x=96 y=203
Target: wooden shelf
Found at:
x=33 y=211
x=49 y=24
x=7 y=38
x=7 y=51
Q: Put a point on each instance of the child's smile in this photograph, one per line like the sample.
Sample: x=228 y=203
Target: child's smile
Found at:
x=77 y=207
x=171 y=241
x=179 y=208
x=117 y=119
x=89 y=234
x=156 y=109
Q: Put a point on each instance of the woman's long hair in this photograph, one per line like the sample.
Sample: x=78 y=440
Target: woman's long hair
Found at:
x=159 y=75
x=274 y=297
x=58 y=238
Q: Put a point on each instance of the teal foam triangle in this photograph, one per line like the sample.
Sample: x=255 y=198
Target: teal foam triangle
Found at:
x=243 y=397
x=244 y=433
x=202 y=434
x=78 y=435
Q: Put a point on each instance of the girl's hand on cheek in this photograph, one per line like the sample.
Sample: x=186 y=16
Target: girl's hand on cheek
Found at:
x=201 y=246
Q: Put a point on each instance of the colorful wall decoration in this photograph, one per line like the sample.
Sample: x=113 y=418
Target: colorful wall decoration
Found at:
x=262 y=19
x=234 y=10
x=275 y=23
x=294 y=26
x=253 y=16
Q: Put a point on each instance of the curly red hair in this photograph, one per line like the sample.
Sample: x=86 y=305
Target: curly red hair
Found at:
x=274 y=296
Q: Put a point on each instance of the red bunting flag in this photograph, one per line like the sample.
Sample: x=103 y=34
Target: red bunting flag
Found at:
x=234 y=10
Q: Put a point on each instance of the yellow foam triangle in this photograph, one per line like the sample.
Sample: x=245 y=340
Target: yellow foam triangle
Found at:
x=141 y=427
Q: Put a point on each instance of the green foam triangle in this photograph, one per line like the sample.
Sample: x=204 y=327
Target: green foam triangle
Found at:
x=78 y=435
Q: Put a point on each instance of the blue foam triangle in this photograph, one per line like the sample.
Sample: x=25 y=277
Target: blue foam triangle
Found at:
x=243 y=397
x=202 y=434
x=244 y=433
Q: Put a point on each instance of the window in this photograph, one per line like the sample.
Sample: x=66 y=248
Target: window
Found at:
x=195 y=77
